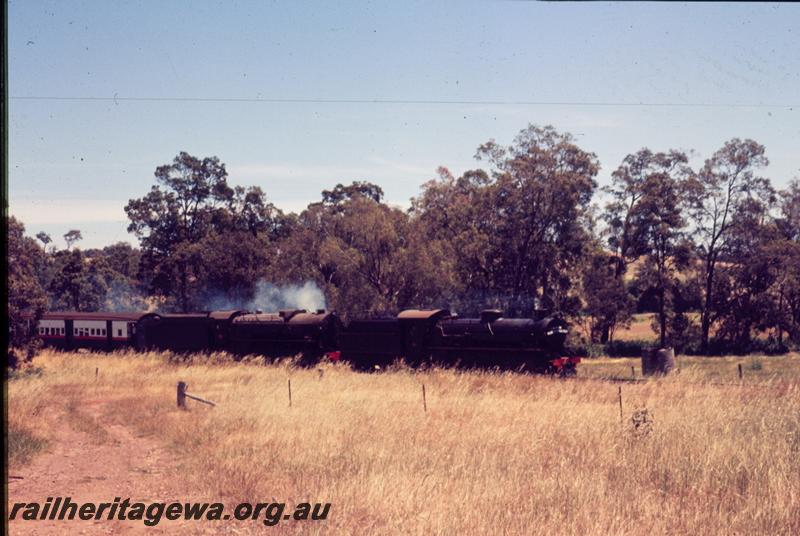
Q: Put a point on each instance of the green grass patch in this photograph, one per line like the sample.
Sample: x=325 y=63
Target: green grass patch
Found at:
x=22 y=445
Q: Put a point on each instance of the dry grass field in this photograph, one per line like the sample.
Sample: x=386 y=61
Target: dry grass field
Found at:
x=493 y=454
x=640 y=329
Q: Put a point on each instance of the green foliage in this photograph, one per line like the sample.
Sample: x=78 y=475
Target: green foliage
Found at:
x=607 y=302
x=369 y=258
x=720 y=194
x=643 y=219
x=518 y=231
x=615 y=348
x=78 y=283
x=72 y=236
x=26 y=298
x=187 y=212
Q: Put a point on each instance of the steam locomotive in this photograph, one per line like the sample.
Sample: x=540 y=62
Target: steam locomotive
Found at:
x=419 y=337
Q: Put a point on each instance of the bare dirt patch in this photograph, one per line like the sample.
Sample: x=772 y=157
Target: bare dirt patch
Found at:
x=93 y=460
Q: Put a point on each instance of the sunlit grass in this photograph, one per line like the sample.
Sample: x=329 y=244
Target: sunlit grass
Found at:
x=495 y=453
x=755 y=368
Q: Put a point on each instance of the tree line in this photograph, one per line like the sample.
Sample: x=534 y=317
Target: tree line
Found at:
x=713 y=252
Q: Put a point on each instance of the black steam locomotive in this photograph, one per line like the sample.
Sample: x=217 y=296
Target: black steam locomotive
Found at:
x=419 y=337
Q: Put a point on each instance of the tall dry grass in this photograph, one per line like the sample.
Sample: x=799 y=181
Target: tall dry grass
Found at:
x=494 y=454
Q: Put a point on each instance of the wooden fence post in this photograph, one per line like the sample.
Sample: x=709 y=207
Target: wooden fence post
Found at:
x=741 y=374
x=182 y=395
x=620 y=403
x=424 y=400
x=633 y=372
x=290 y=393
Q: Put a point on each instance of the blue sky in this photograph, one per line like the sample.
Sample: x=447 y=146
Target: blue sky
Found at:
x=617 y=76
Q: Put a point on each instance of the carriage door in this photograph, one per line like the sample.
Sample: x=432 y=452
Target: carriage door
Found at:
x=109 y=336
x=69 y=334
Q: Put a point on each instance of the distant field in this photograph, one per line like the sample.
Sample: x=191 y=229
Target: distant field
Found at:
x=639 y=330
x=493 y=454
x=755 y=368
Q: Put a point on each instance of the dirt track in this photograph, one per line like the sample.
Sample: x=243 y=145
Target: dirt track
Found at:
x=97 y=465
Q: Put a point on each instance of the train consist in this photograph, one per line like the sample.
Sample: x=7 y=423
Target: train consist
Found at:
x=419 y=337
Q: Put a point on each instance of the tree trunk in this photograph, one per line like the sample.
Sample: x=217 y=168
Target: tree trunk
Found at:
x=184 y=296
x=662 y=318
x=605 y=333
x=619 y=269
x=780 y=317
x=705 y=317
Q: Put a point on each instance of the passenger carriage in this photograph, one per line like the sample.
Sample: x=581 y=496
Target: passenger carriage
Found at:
x=69 y=330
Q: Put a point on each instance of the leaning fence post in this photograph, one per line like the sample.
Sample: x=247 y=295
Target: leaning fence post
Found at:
x=620 y=403
x=182 y=395
x=424 y=400
x=290 y=393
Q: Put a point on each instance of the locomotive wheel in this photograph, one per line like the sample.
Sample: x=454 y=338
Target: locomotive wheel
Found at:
x=568 y=371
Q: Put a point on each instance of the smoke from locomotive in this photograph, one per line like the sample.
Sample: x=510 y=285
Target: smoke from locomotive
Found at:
x=271 y=297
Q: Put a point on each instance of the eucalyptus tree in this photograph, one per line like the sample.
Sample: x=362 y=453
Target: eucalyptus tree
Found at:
x=630 y=184
x=518 y=230
x=716 y=194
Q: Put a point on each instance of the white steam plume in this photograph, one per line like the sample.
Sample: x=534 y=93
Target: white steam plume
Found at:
x=270 y=297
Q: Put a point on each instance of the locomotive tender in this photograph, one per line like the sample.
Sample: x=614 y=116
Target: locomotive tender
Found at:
x=419 y=337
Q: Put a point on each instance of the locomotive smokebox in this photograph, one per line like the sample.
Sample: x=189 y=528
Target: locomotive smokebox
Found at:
x=490 y=315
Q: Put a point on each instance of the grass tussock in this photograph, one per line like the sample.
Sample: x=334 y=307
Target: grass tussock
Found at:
x=22 y=445
x=496 y=453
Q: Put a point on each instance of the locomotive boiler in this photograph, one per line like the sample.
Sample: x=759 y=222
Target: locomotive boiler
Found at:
x=436 y=337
